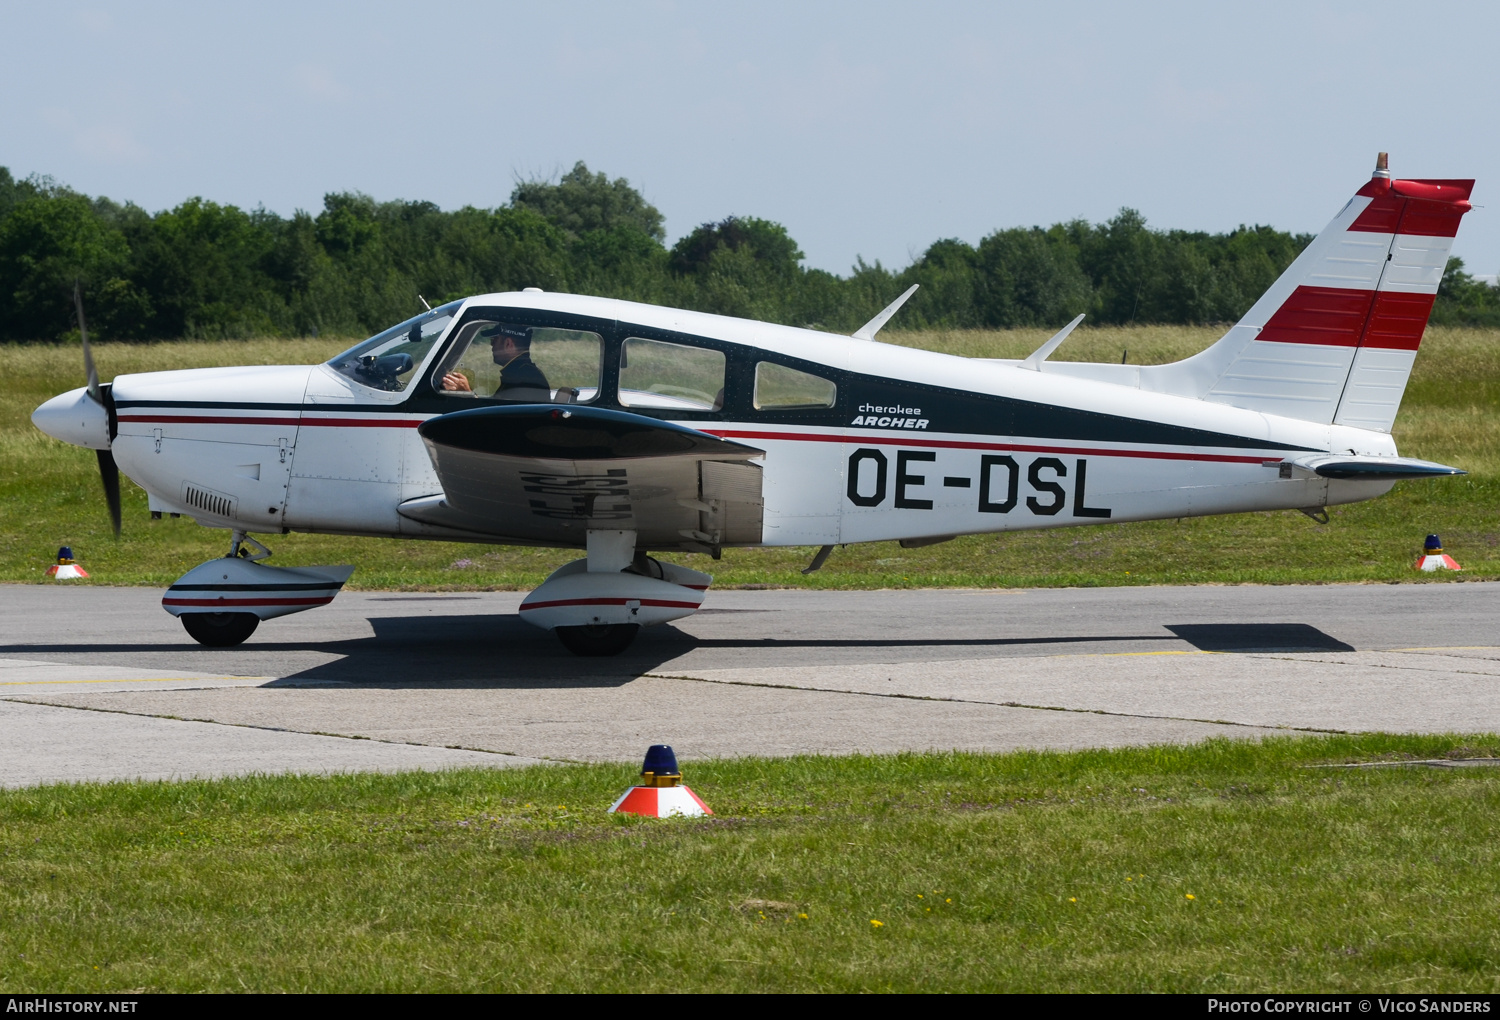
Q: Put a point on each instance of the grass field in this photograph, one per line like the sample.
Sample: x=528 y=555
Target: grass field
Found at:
x=49 y=495
x=1225 y=866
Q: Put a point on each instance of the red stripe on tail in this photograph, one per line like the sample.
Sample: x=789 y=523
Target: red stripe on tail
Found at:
x=1320 y=315
x=1398 y=321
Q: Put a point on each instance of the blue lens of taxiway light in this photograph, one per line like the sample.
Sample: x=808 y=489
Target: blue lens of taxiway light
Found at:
x=1433 y=542
x=65 y=553
x=660 y=760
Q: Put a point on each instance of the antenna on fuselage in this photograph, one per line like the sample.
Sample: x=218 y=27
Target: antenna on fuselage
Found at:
x=869 y=329
x=1034 y=362
x=424 y=302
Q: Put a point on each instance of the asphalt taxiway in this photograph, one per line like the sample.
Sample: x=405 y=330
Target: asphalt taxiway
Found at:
x=100 y=683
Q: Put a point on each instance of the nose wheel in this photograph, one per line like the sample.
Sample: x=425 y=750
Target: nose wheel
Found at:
x=219 y=630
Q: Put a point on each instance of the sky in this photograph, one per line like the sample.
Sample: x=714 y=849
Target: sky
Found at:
x=868 y=129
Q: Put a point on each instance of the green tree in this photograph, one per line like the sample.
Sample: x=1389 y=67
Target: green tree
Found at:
x=204 y=265
x=766 y=244
x=1030 y=278
x=581 y=202
x=47 y=242
x=203 y=269
x=1463 y=300
x=13 y=192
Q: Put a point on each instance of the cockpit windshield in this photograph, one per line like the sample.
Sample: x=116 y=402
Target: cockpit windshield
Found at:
x=390 y=360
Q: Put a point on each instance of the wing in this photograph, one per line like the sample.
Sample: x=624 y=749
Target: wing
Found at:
x=547 y=474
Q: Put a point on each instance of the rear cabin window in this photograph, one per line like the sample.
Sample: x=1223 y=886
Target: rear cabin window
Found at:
x=654 y=373
x=517 y=362
x=787 y=389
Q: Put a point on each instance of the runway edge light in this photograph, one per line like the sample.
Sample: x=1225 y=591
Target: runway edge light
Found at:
x=660 y=792
x=65 y=569
x=1433 y=557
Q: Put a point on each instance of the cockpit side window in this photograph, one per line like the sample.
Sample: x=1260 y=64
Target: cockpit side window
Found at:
x=391 y=360
x=514 y=361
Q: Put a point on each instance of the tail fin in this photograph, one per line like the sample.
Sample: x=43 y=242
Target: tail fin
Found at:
x=1333 y=340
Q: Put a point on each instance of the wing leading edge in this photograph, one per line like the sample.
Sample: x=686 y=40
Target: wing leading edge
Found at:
x=549 y=474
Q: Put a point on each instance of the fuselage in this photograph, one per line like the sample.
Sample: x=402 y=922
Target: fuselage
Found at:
x=863 y=441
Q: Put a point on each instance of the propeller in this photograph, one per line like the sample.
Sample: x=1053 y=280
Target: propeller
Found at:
x=109 y=472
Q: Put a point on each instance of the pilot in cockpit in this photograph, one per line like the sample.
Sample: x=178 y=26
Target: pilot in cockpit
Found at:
x=510 y=348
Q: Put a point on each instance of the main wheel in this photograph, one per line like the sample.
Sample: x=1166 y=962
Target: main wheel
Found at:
x=219 y=630
x=598 y=638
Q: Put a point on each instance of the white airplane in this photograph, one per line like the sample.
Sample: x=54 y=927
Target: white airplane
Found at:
x=626 y=430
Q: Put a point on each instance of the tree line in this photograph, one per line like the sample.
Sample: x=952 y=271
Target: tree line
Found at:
x=207 y=270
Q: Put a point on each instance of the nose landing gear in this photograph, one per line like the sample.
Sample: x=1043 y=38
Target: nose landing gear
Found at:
x=219 y=630
x=222 y=602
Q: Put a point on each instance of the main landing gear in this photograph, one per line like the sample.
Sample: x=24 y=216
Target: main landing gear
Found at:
x=598 y=639
x=597 y=605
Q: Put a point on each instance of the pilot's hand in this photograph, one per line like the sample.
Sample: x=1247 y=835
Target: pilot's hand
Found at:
x=456 y=381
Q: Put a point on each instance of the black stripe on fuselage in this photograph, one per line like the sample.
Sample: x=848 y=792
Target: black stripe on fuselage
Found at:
x=247 y=405
x=966 y=413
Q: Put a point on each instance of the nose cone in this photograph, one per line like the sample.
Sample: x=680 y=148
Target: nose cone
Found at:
x=74 y=418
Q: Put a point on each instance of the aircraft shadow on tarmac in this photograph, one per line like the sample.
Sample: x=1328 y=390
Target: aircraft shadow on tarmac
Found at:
x=1257 y=637
x=472 y=650
x=504 y=651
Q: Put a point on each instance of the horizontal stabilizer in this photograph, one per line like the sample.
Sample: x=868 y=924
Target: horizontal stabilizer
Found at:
x=1327 y=465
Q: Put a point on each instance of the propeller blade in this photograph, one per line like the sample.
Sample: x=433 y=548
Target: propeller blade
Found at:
x=109 y=471
x=110 y=474
x=88 y=355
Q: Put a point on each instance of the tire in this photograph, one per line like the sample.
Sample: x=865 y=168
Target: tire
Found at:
x=219 y=630
x=598 y=639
